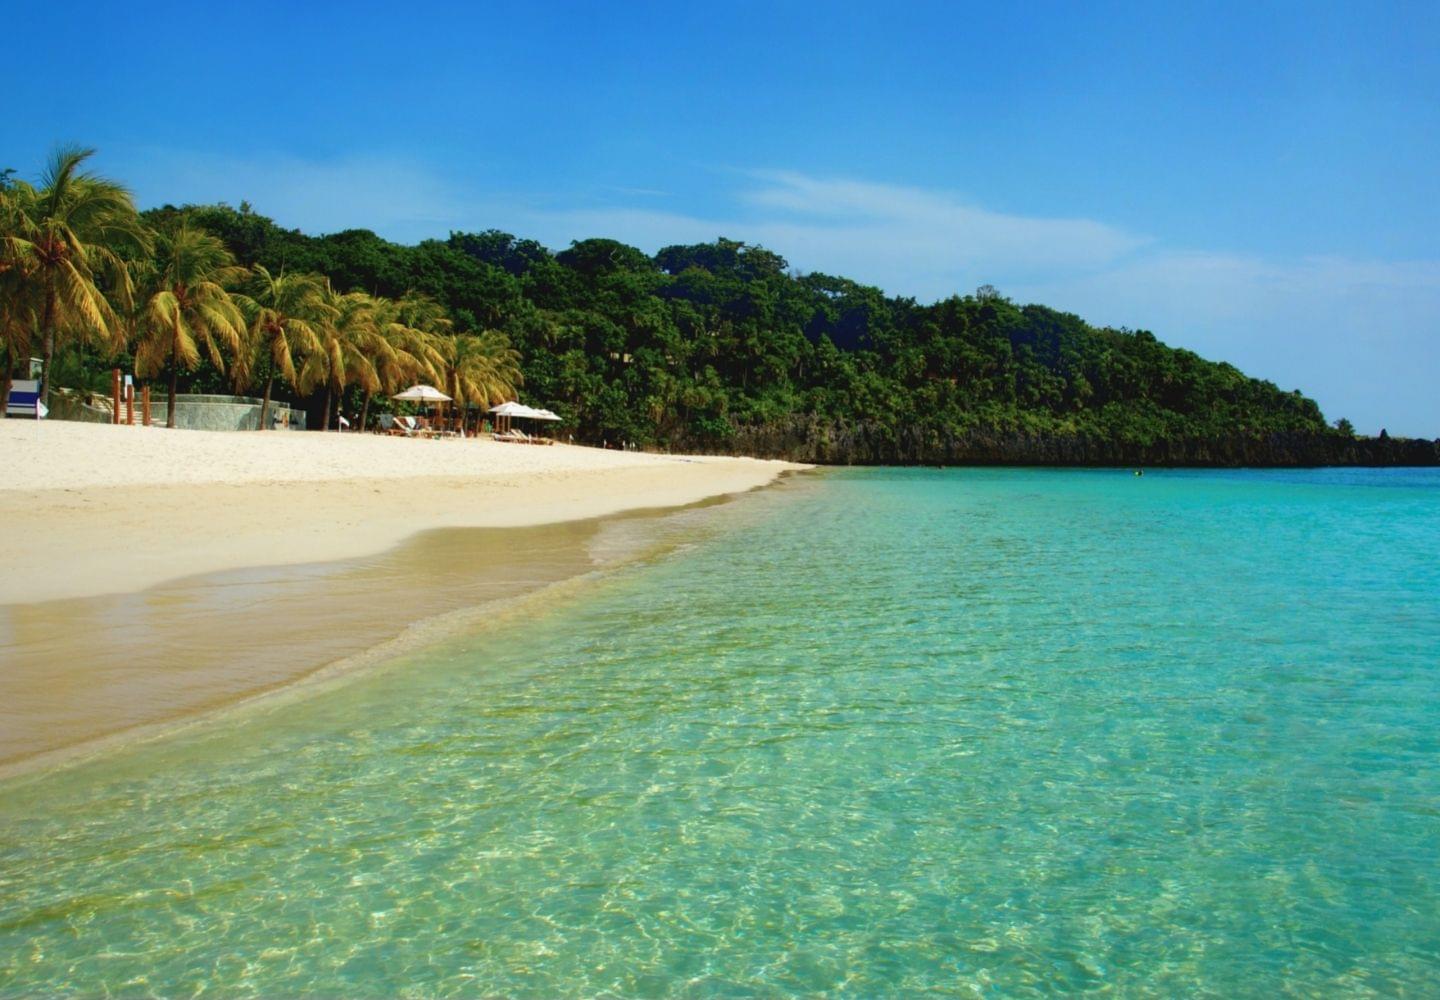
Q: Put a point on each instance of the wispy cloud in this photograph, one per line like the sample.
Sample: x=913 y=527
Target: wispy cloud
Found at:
x=642 y=192
x=939 y=222
x=907 y=240
x=399 y=198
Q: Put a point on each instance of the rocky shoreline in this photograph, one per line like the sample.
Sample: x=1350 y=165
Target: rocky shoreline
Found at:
x=824 y=443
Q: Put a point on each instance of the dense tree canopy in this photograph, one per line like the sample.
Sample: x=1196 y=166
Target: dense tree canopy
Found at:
x=716 y=346
x=721 y=345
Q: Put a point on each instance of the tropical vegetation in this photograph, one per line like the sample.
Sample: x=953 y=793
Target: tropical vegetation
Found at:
x=187 y=306
x=63 y=251
x=163 y=293
x=717 y=346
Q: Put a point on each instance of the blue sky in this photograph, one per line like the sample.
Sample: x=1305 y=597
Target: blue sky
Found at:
x=1259 y=183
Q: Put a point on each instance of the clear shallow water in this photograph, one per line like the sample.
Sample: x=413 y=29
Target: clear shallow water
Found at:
x=1005 y=732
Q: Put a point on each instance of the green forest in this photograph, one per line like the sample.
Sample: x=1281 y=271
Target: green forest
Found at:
x=713 y=347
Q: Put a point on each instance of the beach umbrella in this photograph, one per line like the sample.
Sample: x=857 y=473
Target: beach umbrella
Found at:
x=506 y=409
x=518 y=409
x=422 y=394
x=521 y=410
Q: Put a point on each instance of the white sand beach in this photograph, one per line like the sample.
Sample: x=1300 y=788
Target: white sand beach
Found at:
x=152 y=577
x=92 y=509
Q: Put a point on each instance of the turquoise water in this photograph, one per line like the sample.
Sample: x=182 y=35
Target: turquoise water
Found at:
x=991 y=732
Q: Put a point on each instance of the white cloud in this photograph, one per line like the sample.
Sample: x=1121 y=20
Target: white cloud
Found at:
x=397 y=198
x=928 y=244
x=968 y=236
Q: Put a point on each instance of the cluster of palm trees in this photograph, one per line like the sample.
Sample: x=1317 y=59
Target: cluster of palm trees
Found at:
x=78 y=266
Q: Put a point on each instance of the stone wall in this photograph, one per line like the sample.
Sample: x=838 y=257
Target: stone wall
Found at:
x=192 y=411
x=66 y=405
x=211 y=413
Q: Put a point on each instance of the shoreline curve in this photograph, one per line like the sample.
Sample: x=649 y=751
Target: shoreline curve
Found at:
x=94 y=509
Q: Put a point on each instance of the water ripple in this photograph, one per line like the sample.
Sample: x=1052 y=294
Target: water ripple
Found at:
x=1011 y=733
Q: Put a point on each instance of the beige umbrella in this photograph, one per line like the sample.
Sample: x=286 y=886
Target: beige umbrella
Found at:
x=422 y=394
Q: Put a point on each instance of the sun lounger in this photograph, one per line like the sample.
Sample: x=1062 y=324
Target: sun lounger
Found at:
x=425 y=429
x=388 y=425
x=412 y=427
x=520 y=437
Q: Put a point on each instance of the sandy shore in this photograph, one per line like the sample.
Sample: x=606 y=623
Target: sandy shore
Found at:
x=153 y=577
x=93 y=509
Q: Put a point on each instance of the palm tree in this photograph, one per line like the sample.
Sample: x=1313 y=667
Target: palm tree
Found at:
x=67 y=240
x=189 y=307
x=413 y=354
x=16 y=322
x=349 y=343
x=285 y=313
x=421 y=312
x=481 y=369
x=429 y=328
x=16 y=318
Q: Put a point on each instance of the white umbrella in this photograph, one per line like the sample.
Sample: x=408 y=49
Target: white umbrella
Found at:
x=507 y=409
x=518 y=409
x=422 y=394
x=512 y=409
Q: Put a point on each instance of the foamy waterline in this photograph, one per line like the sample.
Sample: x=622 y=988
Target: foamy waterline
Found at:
x=596 y=548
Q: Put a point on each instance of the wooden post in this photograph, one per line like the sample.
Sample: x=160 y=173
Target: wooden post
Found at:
x=115 y=395
x=130 y=404
x=145 y=405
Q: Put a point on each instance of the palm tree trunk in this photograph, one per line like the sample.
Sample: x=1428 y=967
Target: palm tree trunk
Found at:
x=365 y=410
x=170 y=407
x=7 y=374
x=455 y=397
x=49 y=351
x=265 y=403
x=325 y=423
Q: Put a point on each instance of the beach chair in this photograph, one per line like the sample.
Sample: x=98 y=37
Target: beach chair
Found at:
x=407 y=426
x=24 y=399
x=389 y=427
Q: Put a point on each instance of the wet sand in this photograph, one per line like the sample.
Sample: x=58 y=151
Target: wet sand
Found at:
x=246 y=563
x=82 y=674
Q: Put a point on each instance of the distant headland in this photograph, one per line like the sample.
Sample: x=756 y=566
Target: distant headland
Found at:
x=722 y=348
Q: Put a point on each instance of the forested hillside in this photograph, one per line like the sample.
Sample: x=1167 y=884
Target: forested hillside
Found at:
x=722 y=347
